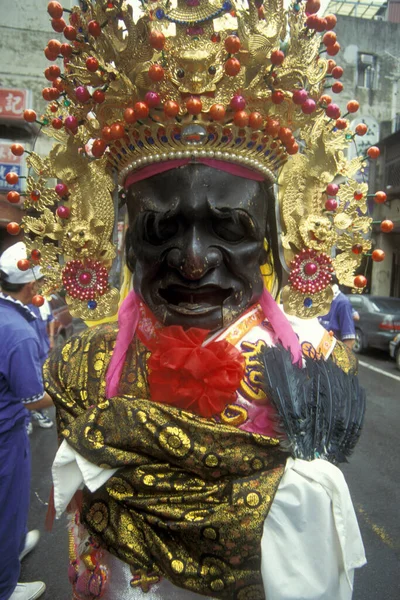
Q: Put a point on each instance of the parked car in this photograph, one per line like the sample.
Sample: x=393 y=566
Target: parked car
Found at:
x=64 y=326
x=394 y=349
x=379 y=321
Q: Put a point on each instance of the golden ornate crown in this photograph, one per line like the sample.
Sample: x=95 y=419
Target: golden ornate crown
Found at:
x=201 y=79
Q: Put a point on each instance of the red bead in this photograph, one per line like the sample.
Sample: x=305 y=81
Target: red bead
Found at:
x=320 y=25
x=193 y=105
x=341 y=124
x=310 y=268
x=312 y=6
x=331 y=21
x=353 y=106
x=36 y=255
x=156 y=72
x=380 y=197
x=61 y=190
x=13 y=228
x=285 y=134
x=361 y=129
x=99 y=96
x=17 y=149
x=333 y=50
x=70 y=33
x=98 y=148
x=333 y=111
x=85 y=278
x=23 y=264
x=373 y=152
x=92 y=64
x=215 y=38
x=337 y=87
x=106 y=134
x=277 y=57
x=129 y=115
x=331 y=204
x=232 y=67
x=241 y=118
x=232 y=44
x=311 y=21
x=277 y=97
x=141 y=110
x=35 y=195
x=117 y=131
x=157 y=39
x=63 y=212
x=30 y=116
x=13 y=197
x=358 y=195
x=272 y=127
x=329 y=38
x=337 y=72
x=12 y=178
x=255 y=120
x=299 y=96
x=66 y=50
x=82 y=94
x=293 y=149
x=152 y=99
x=55 y=10
x=360 y=281
x=171 y=108
x=332 y=189
x=71 y=123
x=309 y=106
x=94 y=28
x=58 y=25
x=38 y=300
x=238 y=102
x=387 y=226
x=217 y=112
x=325 y=100
x=378 y=255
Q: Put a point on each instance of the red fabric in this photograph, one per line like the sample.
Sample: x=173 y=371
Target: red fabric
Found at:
x=185 y=374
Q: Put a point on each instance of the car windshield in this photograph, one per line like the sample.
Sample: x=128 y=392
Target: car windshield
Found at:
x=386 y=305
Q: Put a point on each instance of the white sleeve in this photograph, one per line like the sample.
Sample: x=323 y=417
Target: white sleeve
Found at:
x=311 y=542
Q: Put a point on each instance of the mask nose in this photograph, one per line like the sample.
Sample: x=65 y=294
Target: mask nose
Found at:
x=195 y=258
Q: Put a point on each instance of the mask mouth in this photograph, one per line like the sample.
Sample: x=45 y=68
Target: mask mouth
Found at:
x=189 y=300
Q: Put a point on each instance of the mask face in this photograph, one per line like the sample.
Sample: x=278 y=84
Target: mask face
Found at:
x=196 y=235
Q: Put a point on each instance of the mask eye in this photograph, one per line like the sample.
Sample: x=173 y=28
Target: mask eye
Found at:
x=229 y=229
x=180 y=73
x=158 y=229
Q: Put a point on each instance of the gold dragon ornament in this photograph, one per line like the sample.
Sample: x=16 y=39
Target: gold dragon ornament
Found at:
x=197 y=79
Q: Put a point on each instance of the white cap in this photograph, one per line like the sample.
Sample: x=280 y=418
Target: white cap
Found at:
x=8 y=264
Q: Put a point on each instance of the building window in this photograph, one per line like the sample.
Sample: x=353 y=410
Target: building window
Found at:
x=367 y=70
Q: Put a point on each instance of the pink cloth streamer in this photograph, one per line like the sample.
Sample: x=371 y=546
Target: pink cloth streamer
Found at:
x=128 y=319
x=221 y=165
x=281 y=326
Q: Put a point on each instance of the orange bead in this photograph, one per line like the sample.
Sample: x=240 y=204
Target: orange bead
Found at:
x=373 y=152
x=13 y=228
x=38 y=300
x=12 y=178
x=54 y=46
x=193 y=106
x=98 y=148
x=285 y=134
x=23 y=264
x=129 y=115
x=333 y=50
x=17 y=149
x=331 y=65
x=70 y=33
x=241 y=118
x=157 y=39
x=353 y=106
x=106 y=133
x=217 y=112
x=380 y=197
x=255 y=120
x=171 y=108
x=360 y=281
x=58 y=25
x=378 y=255
x=337 y=87
x=232 y=67
x=277 y=97
x=30 y=116
x=57 y=123
x=66 y=50
x=277 y=57
x=55 y=10
x=325 y=100
x=387 y=226
x=117 y=131
x=13 y=197
x=293 y=149
x=312 y=6
x=329 y=38
x=361 y=129
x=92 y=64
x=50 y=55
x=272 y=127
x=156 y=72
x=342 y=124
x=232 y=44
x=331 y=21
x=141 y=110
x=46 y=93
x=337 y=72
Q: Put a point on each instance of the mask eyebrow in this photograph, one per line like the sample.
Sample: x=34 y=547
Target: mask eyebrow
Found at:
x=239 y=216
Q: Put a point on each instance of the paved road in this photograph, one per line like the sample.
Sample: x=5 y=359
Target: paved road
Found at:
x=372 y=474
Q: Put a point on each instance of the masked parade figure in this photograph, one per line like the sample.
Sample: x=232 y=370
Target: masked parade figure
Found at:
x=199 y=435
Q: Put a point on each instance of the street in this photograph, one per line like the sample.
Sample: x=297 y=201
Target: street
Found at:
x=372 y=475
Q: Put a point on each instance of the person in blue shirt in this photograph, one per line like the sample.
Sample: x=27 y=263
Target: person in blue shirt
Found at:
x=21 y=389
x=340 y=318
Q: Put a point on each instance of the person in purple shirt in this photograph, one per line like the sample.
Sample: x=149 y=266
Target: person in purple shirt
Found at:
x=21 y=390
x=340 y=318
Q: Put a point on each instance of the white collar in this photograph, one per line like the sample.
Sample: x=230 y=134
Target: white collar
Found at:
x=15 y=301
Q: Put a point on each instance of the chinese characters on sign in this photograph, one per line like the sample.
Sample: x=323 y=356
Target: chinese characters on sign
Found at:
x=13 y=102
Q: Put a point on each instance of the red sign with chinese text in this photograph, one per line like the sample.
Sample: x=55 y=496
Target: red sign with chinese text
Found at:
x=13 y=103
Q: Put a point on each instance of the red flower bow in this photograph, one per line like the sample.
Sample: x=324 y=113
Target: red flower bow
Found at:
x=185 y=374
